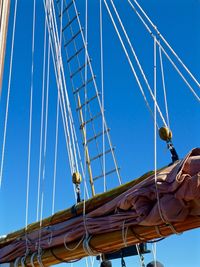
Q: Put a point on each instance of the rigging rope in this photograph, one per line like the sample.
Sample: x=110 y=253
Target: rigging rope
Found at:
x=155 y=133
x=128 y=58
x=71 y=123
x=57 y=120
x=138 y=63
x=41 y=123
x=60 y=79
x=55 y=157
x=63 y=92
x=102 y=89
x=30 y=115
x=154 y=252
x=45 y=128
x=164 y=87
x=98 y=98
x=8 y=95
x=85 y=95
x=180 y=73
x=164 y=51
x=167 y=44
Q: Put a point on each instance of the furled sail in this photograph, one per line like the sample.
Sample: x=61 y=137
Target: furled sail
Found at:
x=142 y=210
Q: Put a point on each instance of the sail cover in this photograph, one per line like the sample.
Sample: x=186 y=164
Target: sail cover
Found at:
x=172 y=202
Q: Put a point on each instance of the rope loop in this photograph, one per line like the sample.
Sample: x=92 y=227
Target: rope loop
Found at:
x=16 y=263
x=124 y=234
x=39 y=257
x=23 y=260
x=32 y=259
x=75 y=247
x=87 y=247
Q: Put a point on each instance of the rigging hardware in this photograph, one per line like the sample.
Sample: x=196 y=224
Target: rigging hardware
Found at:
x=166 y=135
x=77 y=179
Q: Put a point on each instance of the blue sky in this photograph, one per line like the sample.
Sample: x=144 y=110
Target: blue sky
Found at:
x=131 y=125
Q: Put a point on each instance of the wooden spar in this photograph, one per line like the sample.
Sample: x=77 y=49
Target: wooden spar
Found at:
x=112 y=242
x=4 y=17
x=90 y=205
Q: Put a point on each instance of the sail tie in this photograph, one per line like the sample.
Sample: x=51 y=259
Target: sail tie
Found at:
x=87 y=247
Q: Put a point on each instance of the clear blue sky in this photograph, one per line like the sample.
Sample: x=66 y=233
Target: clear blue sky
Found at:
x=126 y=113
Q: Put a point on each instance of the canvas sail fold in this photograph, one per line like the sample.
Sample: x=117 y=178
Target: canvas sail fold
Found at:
x=145 y=211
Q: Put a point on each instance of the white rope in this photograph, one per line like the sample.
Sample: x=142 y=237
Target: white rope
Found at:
x=85 y=96
x=72 y=142
x=98 y=98
x=155 y=129
x=16 y=263
x=124 y=234
x=128 y=58
x=102 y=91
x=41 y=123
x=44 y=148
x=180 y=73
x=138 y=62
x=154 y=252
x=164 y=87
x=32 y=259
x=45 y=138
x=155 y=134
x=87 y=248
x=55 y=158
x=74 y=130
x=75 y=247
x=169 y=58
x=75 y=161
x=8 y=95
x=44 y=151
x=167 y=44
x=57 y=120
x=58 y=81
x=60 y=88
x=141 y=258
x=30 y=116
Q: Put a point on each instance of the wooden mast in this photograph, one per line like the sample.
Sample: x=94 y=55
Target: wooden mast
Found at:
x=4 y=17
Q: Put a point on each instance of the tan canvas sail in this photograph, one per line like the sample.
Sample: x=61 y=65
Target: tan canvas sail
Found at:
x=130 y=214
x=4 y=15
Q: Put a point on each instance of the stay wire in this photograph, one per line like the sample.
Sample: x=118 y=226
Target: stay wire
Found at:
x=102 y=89
x=41 y=123
x=8 y=95
x=164 y=51
x=164 y=86
x=85 y=114
x=137 y=61
x=30 y=115
x=55 y=156
x=70 y=117
x=129 y=60
x=44 y=148
x=57 y=128
x=59 y=70
x=98 y=98
x=167 y=44
x=59 y=80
